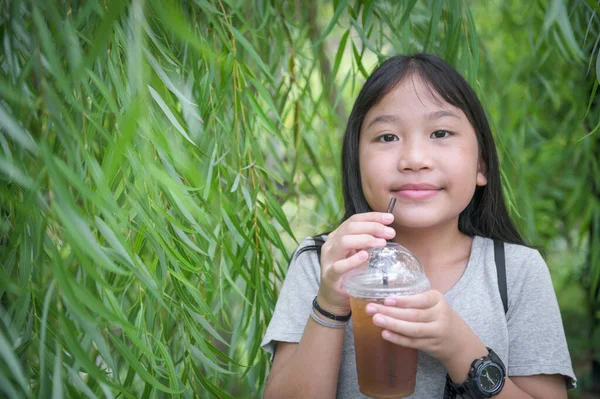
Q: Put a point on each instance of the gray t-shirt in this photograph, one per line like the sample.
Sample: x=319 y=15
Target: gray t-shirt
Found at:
x=529 y=339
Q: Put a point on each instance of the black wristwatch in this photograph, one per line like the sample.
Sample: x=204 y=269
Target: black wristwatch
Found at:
x=486 y=379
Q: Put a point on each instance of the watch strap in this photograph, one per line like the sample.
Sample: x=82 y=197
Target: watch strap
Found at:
x=452 y=390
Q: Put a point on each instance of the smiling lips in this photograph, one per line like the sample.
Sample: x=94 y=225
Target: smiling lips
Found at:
x=417 y=191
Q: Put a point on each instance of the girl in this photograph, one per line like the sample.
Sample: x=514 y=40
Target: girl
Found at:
x=417 y=132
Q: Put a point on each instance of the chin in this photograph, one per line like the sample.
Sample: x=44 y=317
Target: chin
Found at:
x=414 y=221
x=417 y=224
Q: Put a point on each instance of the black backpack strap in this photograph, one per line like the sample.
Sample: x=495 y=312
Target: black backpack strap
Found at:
x=501 y=270
x=319 y=241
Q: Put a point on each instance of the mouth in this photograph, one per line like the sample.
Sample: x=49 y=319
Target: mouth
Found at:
x=417 y=191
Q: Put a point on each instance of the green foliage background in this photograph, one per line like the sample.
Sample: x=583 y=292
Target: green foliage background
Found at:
x=161 y=159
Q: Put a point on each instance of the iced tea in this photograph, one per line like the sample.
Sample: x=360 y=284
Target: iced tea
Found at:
x=385 y=370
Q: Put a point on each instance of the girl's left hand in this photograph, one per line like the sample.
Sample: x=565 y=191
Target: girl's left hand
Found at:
x=424 y=321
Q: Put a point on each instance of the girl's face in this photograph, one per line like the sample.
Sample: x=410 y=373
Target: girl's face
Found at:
x=423 y=151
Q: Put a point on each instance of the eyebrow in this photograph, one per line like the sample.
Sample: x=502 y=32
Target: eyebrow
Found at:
x=383 y=119
x=393 y=118
x=440 y=114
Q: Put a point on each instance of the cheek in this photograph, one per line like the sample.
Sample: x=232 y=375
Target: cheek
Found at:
x=373 y=167
x=465 y=159
x=366 y=177
x=372 y=170
x=363 y=161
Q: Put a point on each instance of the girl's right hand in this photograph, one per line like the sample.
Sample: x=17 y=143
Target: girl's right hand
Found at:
x=345 y=250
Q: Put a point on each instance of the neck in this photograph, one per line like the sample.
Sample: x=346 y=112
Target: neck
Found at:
x=437 y=246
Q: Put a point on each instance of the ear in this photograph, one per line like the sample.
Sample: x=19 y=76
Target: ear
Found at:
x=481 y=173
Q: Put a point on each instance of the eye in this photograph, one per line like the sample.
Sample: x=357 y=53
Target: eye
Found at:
x=387 y=138
x=441 y=134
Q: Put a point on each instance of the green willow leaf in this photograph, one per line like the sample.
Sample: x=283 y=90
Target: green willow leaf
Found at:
x=341 y=7
x=102 y=33
x=7 y=388
x=8 y=355
x=186 y=240
x=205 y=361
x=49 y=51
x=112 y=239
x=358 y=60
x=13 y=173
x=15 y=131
x=274 y=208
x=339 y=54
x=80 y=385
x=432 y=30
x=105 y=92
x=209 y=386
x=598 y=67
x=204 y=323
x=169 y=114
x=139 y=368
x=57 y=381
x=234 y=286
x=473 y=46
x=266 y=98
x=364 y=38
x=44 y=381
x=72 y=344
x=173 y=380
x=235 y=229
x=81 y=235
x=13 y=96
x=558 y=14
x=239 y=37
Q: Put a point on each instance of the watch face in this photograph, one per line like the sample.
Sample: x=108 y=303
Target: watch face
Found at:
x=490 y=377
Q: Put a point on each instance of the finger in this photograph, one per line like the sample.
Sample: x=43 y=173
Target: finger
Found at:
x=406 y=328
x=381 y=217
x=406 y=342
x=347 y=243
x=376 y=229
x=345 y=265
x=424 y=300
x=406 y=314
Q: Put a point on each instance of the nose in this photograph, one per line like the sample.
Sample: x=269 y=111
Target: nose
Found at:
x=414 y=155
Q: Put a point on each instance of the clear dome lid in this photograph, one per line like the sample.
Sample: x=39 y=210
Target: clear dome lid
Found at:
x=392 y=270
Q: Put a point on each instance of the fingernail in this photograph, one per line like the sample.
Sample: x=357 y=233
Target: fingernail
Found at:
x=389 y=302
x=363 y=255
x=381 y=242
x=387 y=217
x=389 y=232
x=371 y=309
x=379 y=320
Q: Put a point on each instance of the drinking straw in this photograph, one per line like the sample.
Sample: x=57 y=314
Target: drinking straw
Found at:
x=390 y=208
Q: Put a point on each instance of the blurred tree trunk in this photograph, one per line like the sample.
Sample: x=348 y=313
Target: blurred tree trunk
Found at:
x=330 y=87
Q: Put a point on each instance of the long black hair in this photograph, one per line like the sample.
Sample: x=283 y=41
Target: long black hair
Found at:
x=486 y=215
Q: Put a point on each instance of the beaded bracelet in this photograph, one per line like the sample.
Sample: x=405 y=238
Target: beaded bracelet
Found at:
x=326 y=323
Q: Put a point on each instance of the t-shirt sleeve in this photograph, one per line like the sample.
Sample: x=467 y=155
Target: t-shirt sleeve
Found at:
x=536 y=335
x=295 y=298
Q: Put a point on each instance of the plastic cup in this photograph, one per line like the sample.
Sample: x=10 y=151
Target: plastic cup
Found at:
x=385 y=370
